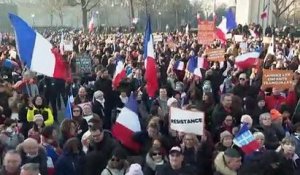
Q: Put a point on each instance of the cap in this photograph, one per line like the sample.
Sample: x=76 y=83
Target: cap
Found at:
x=225 y=134
x=275 y=114
x=231 y=152
x=175 y=149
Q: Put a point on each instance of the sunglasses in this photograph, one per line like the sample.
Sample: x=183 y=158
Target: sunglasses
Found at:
x=76 y=110
x=242 y=79
x=156 y=154
x=114 y=159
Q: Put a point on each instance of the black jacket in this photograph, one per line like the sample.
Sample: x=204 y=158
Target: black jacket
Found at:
x=167 y=170
x=41 y=159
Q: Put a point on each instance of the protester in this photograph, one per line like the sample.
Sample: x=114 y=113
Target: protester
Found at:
x=32 y=152
x=11 y=163
x=72 y=159
x=175 y=165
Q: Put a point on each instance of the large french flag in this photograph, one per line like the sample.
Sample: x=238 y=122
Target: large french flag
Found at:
x=247 y=60
x=120 y=73
x=245 y=140
x=150 y=62
x=36 y=52
x=127 y=124
x=228 y=23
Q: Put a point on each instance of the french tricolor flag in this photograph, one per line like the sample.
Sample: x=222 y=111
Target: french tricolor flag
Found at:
x=179 y=65
x=150 y=62
x=91 y=25
x=228 y=23
x=247 y=60
x=245 y=140
x=193 y=66
x=127 y=124
x=120 y=73
x=36 y=52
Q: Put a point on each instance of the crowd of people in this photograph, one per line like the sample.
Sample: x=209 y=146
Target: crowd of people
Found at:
x=34 y=140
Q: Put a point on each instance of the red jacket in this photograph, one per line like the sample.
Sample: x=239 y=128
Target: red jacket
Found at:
x=275 y=102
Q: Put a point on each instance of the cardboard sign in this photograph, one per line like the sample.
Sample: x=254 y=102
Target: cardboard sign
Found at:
x=267 y=40
x=187 y=121
x=157 y=38
x=215 y=55
x=244 y=47
x=238 y=38
x=206 y=32
x=83 y=64
x=68 y=46
x=281 y=79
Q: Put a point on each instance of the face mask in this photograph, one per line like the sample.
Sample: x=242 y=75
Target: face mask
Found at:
x=31 y=156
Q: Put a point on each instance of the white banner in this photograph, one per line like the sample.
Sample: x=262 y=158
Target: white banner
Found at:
x=187 y=121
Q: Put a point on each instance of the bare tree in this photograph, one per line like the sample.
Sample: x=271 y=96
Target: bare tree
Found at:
x=86 y=6
x=55 y=7
x=280 y=7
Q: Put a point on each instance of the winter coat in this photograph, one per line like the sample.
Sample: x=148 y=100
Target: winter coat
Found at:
x=221 y=167
x=166 y=169
x=105 y=147
x=275 y=102
x=70 y=164
x=41 y=159
x=150 y=166
x=45 y=112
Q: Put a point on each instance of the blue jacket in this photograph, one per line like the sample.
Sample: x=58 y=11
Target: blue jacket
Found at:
x=70 y=164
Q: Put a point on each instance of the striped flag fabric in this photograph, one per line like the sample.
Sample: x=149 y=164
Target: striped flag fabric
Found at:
x=245 y=140
x=150 y=62
x=127 y=124
x=91 y=25
x=247 y=60
x=264 y=14
x=120 y=73
x=36 y=52
x=68 y=110
x=193 y=67
x=179 y=65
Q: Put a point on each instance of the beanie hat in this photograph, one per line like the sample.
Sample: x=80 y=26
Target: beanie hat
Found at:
x=38 y=117
x=135 y=169
x=275 y=114
x=225 y=134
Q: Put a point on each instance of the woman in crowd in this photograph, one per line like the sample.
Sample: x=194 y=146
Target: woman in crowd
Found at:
x=68 y=130
x=226 y=139
x=155 y=157
x=38 y=106
x=49 y=143
x=117 y=165
x=80 y=123
x=9 y=136
x=72 y=159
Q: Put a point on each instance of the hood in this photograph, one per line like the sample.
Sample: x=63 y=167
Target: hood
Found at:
x=221 y=167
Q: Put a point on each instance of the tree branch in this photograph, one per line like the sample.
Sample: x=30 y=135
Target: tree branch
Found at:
x=93 y=6
x=86 y=3
x=287 y=7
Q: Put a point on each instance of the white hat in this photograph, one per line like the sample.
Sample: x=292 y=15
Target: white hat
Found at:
x=171 y=101
x=135 y=169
